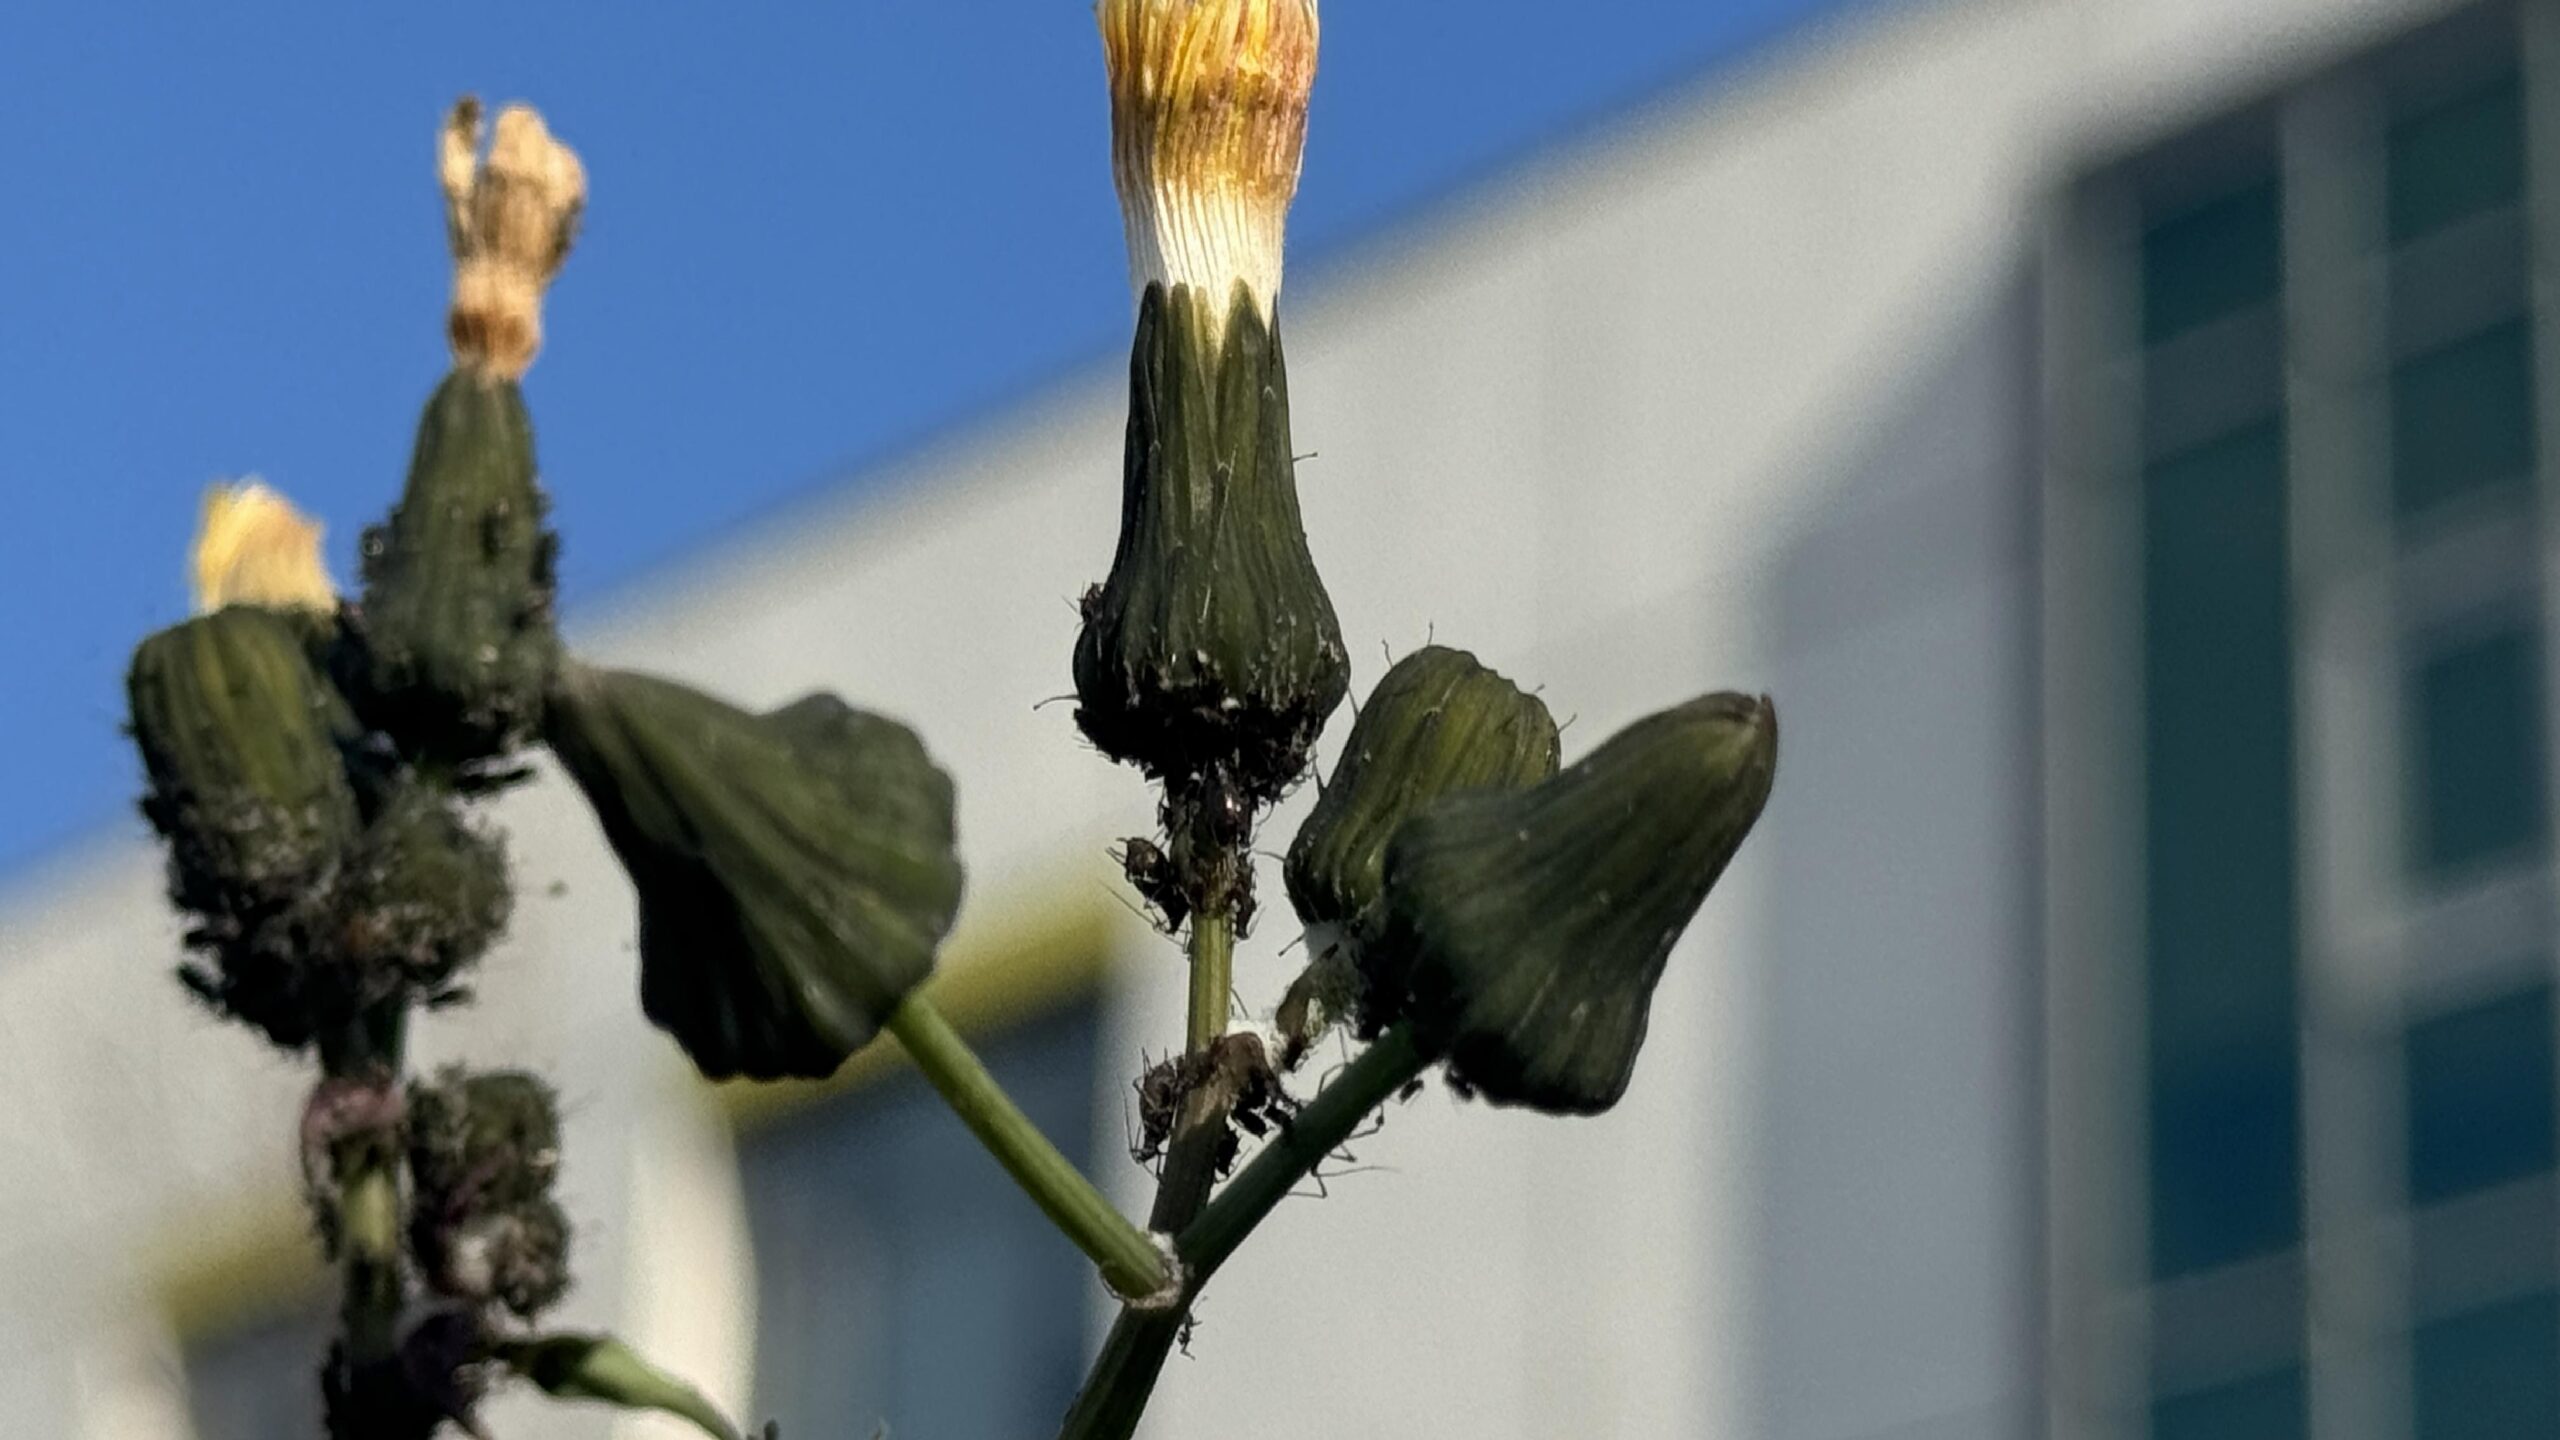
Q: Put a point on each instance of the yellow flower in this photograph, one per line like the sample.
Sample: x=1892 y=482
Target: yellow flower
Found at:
x=253 y=548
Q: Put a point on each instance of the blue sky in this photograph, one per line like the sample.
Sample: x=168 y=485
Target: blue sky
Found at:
x=818 y=234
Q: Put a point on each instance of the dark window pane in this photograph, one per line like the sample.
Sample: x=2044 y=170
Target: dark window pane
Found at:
x=2225 y=1153
x=900 y=1277
x=260 y=1381
x=2493 y=1374
x=2462 y=419
x=2457 y=160
x=2220 y=257
x=2268 y=1407
x=2480 y=1097
x=2479 y=746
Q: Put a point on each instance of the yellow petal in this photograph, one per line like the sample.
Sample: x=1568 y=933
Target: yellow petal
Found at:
x=253 y=548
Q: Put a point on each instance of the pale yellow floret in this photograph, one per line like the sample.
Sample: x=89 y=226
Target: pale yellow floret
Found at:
x=510 y=220
x=1208 y=127
x=253 y=548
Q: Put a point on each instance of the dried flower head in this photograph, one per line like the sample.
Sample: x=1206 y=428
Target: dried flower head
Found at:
x=1208 y=124
x=253 y=548
x=511 y=219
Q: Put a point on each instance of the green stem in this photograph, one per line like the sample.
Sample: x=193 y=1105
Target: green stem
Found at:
x=369 y=1221
x=1213 y=949
x=1394 y=1060
x=1124 y=1375
x=1191 y=1161
x=1130 y=1262
x=366 y=1167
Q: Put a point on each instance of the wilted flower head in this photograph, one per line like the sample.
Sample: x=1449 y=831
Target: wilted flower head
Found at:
x=511 y=220
x=1208 y=124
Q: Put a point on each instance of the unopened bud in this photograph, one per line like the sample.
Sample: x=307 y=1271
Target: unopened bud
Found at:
x=456 y=627
x=1528 y=929
x=795 y=870
x=241 y=740
x=1439 y=723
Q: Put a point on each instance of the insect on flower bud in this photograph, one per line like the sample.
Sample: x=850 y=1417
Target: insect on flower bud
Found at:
x=1439 y=723
x=795 y=869
x=1529 y=928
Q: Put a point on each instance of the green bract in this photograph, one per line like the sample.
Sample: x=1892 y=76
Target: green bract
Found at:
x=1527 y=930
x=1439 y=723
x=795 y=870
x=1213 y=643
x=457 y=622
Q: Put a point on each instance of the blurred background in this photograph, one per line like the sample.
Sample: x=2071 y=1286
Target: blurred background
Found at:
x=2114 y=430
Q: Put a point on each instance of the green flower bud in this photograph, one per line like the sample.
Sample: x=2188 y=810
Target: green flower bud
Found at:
x=241 y=741
x=456 y=625
x=1527 y=929
x=480 y=1142
x=424 y=894
x=795 y=870
x=1438 y=724
x=1213 y=645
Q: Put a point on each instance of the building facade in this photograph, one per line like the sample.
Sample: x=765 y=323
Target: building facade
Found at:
x=2113 y=432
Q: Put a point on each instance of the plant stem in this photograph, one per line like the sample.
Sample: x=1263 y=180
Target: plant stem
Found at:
x=1191 y=1160
x=369 y=1220
x=1130 y=1262
x=366 y=1167
x=1124 y=1375
x=1392 y=1061
x=1213 y=949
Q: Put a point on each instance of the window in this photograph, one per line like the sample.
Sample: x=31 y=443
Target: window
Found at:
x=900 y=1277
x=2302 y=347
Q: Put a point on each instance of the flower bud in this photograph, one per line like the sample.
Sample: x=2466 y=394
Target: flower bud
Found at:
x=1212 y=646
x=483 y=1152
x=795 y=870
x=456 y=626
x=457 y=629
x=481 y=1141
x=1527 y=929
x=1439 y=723
x=423 y=894
x=241 y=741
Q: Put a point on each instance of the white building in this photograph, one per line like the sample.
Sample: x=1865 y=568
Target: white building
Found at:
x=2111 y=430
